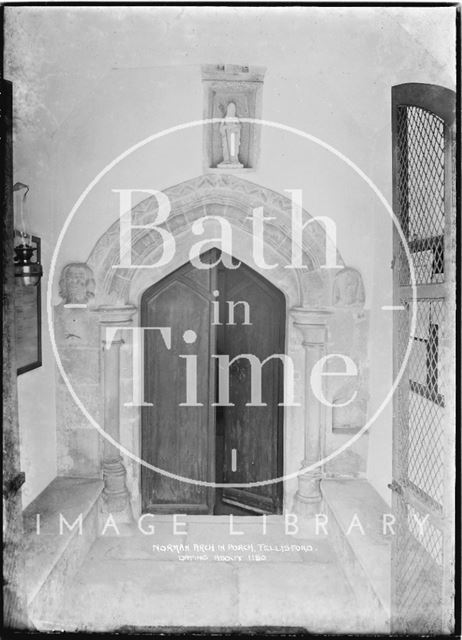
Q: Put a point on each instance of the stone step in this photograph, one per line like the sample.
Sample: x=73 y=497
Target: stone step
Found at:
x=53 y=550
x=364 y=557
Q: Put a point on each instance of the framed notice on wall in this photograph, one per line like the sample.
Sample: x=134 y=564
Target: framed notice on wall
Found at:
x=28 y=321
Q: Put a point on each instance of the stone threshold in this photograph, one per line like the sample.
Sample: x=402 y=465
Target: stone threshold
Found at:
x=256 y=630
x=220 y=519
x=365 y=558
x=50 y=554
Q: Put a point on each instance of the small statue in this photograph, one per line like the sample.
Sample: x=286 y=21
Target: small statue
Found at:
x=76 y=285
x=230 y=130
x=348 y=290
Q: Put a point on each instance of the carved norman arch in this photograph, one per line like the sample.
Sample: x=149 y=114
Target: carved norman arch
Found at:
x=310 y=314
x=234 y=199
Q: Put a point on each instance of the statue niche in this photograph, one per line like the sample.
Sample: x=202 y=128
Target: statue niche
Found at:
x=232 y=98
x=230 y=131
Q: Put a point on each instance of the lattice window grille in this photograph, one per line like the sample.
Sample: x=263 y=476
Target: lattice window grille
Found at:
x=421 y=193
x=426 y=534
x=419 y=567
x=422 y=401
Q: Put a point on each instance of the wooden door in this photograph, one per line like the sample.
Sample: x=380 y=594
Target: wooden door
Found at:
x=252 y=435
x=175 y=438
x=423 y=423
x=182 y=440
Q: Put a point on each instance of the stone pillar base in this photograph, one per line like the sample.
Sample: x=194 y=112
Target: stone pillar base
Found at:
x=123 y=526
x=308 y=499
x=306 y=507
x=116 y=500
x=309 y=526
x=122 y=517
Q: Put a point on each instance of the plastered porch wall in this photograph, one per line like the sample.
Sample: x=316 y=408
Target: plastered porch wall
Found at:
x=86 y=89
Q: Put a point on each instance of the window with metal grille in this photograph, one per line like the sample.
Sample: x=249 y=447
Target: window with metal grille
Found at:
x=424 y=363
x=422 y=401
x=421 y=192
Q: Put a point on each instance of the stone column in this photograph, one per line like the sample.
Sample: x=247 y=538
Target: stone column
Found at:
x=115 y=494
x=312 y=325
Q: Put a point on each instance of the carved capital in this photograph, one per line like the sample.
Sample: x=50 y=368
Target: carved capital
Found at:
x=311 y=323
x=115 y=314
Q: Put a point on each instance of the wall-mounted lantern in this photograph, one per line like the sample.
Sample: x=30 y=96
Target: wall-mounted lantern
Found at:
x=27 y=270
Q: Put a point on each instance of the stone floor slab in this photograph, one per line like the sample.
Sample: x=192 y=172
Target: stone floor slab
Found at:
x=113 y=594
x=315 y=597
x=125 y=584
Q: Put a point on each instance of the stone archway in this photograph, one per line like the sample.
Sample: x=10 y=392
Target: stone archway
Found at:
x=308 y=293
x=233 y=199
